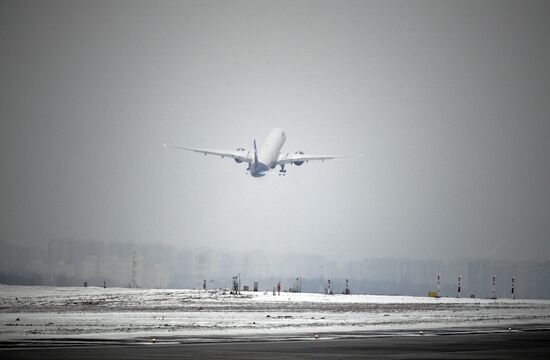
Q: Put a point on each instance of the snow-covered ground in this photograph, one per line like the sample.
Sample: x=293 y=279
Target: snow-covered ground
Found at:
x=34 y=312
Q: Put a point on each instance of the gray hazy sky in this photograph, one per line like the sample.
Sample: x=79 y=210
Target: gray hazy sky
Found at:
x=448 y=101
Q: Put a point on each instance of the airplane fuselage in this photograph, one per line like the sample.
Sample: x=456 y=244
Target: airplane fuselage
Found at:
x=268 y=153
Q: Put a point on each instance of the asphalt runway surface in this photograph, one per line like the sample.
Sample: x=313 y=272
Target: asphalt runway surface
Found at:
x=533 y=344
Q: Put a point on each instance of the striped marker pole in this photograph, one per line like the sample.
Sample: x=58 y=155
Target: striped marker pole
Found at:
x=494 y=281
x=458 y=290
x=438 y=279
x=513 y=289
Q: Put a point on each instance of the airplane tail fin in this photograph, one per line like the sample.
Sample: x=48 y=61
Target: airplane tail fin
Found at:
x=255 y=152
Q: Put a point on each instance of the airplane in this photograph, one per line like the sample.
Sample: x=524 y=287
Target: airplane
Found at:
x=269 y=156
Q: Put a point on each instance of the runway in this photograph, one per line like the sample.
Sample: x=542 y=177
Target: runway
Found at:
x=116 y=323
x=534 y=344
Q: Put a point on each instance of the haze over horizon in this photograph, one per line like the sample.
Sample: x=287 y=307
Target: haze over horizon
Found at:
x=446 y=101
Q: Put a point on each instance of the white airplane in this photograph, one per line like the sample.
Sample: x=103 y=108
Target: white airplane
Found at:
x=267 y=158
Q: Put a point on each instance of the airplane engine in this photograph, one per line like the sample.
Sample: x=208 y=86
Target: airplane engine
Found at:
x=237 y=160
x=298 y=163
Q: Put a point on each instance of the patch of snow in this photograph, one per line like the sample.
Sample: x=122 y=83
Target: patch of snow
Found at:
x=34 y=312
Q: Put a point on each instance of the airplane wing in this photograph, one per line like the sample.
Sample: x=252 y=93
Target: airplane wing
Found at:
x=239 y=155
x=298 y=158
